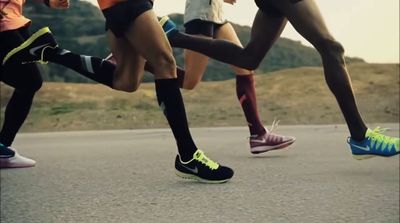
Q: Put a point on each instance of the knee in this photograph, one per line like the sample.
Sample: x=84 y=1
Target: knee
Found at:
x=332 y=50
x=250 y=61
x=253 y=64
x=189 y=85
x=164 y=65
x=131 y=88
x=37 y=85
x=32 y=87
x=126 y=87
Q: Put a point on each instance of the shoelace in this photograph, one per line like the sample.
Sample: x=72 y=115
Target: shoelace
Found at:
x=377 y=137
x=201 y=157
x=274 y=126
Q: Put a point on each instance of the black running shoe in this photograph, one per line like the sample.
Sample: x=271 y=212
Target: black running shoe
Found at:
x=202 y=169
x=32 y=49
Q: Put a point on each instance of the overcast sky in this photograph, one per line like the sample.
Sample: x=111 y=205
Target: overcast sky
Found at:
x=367 y=28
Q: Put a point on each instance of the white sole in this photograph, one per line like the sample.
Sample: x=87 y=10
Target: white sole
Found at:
x=263 y=149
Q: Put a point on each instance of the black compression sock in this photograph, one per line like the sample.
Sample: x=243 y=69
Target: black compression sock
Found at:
x=97 y=69
x=180 y=72
x=170 y=100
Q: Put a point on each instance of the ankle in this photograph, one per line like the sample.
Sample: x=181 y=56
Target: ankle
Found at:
x=185 y=158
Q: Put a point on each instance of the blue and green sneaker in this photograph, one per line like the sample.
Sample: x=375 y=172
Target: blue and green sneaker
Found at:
x=374 y=144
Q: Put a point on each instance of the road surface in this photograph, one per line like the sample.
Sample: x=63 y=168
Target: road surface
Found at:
x=128 y=176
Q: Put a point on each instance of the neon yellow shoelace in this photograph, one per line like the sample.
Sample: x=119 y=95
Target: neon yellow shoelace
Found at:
x=201 y=157
x=377 y=139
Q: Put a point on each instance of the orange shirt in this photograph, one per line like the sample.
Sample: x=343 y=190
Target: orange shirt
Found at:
x=104 y=4
x=14 y=18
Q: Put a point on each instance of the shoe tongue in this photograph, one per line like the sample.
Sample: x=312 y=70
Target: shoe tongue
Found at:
x=198 y=154
x=369 y=133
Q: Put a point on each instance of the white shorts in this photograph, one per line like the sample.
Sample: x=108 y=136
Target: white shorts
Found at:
x=208 y=10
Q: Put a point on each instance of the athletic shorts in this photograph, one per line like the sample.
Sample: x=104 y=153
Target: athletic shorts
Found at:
x=120 y=16
x=206 y=28
x=208 y=10
x=269 y=9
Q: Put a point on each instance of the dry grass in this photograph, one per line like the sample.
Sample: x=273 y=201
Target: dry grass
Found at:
x=295 y=96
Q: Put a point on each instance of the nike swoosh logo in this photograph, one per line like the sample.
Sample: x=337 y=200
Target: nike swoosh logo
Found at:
x=259 y=141
x=195 y=170
x=33 y=49
x=363 y=148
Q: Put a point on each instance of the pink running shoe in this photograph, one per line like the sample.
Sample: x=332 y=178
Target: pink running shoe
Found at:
x=11 y=159
x=269 y=141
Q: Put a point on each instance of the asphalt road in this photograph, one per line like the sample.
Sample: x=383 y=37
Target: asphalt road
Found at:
x=128 y=176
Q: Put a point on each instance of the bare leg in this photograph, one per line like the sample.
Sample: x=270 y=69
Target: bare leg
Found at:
x=245 y=86
x=266 y=29
x=195 y=66
x=129 y=66
x=226 y=32
x=307 y=20
x=195 y=63
x=146 y=36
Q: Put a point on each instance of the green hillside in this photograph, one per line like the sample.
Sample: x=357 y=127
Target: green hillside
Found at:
x=286 y=95
x=81 y=30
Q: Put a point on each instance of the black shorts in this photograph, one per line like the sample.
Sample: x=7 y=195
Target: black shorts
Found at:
x=203 y=27
x=269 y=9
x=121 y=15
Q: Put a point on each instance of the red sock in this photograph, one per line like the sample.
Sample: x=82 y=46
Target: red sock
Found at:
x=246 y=93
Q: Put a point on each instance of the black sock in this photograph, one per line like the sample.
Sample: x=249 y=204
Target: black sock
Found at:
x=170 y=100
x=97 y=69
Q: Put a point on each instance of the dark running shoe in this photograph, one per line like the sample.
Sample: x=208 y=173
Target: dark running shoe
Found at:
x=32 y=50
x=202 y=169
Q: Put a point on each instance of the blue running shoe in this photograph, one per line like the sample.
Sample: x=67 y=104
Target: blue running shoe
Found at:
x=168 y=26
x=374 y=144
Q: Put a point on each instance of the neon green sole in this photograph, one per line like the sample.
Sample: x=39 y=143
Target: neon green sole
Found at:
x=201 y=180
x=28 y=42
